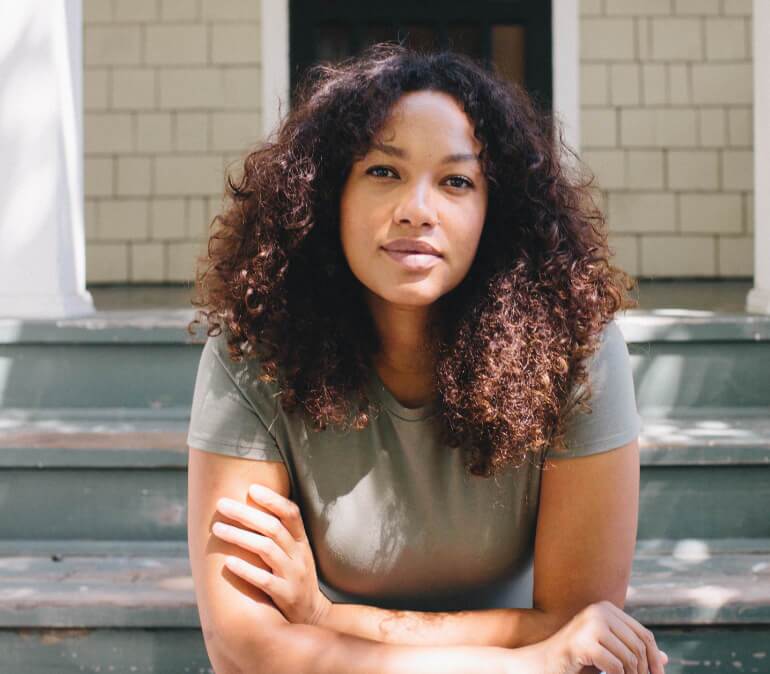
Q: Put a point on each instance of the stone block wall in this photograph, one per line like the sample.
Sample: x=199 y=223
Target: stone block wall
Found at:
x=172 y=99
x=666 y=127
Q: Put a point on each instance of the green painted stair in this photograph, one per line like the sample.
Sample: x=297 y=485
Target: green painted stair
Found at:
x=93 y=419
x=117 y=474
x=709 y=606
x=683 y=363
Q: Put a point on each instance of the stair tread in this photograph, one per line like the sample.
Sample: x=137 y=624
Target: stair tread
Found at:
x=689 y=325
x=696 y=439
x=136 y=591
x=110 y=437
x=688 y=586
x=169 y=325
x=142 y=438
x=118 y=326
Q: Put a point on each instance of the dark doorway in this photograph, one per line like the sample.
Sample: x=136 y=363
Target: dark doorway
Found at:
x=515 y=35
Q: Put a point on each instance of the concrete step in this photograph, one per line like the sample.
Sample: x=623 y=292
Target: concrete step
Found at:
x=698 y=362
x=142 y=359
x=706 y=598
x=113 y=474
x=684 y=583
x=705 y=477
x=109 y=651
x=683 y=361
x=98 y=473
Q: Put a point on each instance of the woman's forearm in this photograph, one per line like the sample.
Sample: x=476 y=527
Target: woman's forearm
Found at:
x=506 y=628
x=311 y=649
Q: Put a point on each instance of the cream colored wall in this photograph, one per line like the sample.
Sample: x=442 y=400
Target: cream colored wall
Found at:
x=666 y=125
x=172 y=96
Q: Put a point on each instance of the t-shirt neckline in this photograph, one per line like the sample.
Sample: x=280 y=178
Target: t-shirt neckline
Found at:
x=392 y=405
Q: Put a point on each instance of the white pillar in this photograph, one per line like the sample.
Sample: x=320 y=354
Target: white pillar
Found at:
x=42 y=241
x=565 y=53
x=758 y=299
x=275 y=63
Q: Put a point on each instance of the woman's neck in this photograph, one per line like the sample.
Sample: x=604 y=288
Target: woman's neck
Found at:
x=405 y=362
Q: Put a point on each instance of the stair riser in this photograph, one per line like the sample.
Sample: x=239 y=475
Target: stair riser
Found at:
x=667 y=375
x=128 y=504
x=145 y=376
x=116 y=651
x=94 y=504
x=696 y=376
x=704 y=502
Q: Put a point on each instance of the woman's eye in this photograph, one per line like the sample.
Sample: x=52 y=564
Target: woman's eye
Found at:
x=465 y=181
x=378 y=168
x=459 y=181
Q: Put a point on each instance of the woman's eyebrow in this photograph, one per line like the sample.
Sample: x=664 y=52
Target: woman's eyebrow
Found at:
x=403 y=154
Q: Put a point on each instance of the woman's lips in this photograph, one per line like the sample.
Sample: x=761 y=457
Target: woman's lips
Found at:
x=413 y=261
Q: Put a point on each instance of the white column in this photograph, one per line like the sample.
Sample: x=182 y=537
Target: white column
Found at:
x=565 y=52
x=758 y=299
x=42 y=241
x=274 y=49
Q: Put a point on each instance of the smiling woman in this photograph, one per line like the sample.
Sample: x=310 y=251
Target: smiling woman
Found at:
x=410 y=313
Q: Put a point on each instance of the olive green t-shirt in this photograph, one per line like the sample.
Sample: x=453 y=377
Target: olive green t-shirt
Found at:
x=393 y=517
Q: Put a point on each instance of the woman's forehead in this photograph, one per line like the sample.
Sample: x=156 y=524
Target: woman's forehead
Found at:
x=427 y=106
x=426 y=118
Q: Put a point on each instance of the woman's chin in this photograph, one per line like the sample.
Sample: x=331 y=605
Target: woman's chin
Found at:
x=419 y=292
x=411 y=296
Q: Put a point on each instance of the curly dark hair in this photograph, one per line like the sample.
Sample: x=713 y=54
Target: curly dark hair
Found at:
x=511 y=339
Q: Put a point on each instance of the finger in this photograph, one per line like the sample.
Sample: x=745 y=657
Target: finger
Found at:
x=256 y=520
x=259 y=578
x=632 y=664
x=603 y=659
x=635 y=644
x=656 y=658
x=263 y=546
x=283 y=508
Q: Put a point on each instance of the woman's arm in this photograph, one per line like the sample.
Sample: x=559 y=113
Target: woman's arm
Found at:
x=503 y=627
x=586 y=534
x=273 y=529
x=245 y=632
x=314 y=650
x=584 y=548
x=573 y=515
x=586 y=529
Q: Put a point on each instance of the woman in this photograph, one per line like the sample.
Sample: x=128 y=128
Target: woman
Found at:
x=410 y=309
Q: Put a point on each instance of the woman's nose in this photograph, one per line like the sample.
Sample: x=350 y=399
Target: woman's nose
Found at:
x=416 y=206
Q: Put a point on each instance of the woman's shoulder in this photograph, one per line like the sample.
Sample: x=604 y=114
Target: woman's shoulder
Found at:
x=609 y=360
x=245 y=369
x=219 y=343
x=613 y=418
x=611 y=352
x=233 y=411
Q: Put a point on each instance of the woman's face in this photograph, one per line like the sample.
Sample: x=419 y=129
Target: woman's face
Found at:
x=420 y=184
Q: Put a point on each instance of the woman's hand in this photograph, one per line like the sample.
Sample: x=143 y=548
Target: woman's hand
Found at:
x=605 y=637
x=279 y=539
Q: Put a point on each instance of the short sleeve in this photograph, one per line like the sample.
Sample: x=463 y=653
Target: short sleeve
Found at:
x=614 y=419
x=222 y=418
